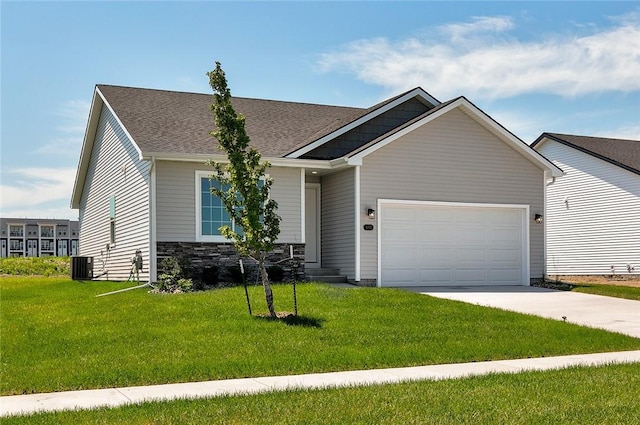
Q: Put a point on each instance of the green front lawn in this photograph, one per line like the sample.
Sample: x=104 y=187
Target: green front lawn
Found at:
x=56 y=335
x=618 y=291
x=580 y=396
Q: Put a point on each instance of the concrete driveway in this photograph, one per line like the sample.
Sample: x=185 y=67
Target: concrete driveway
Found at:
x=612 y=314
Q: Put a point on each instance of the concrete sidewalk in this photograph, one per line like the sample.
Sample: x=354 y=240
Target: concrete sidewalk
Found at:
x=112 y=397
x=596 y=311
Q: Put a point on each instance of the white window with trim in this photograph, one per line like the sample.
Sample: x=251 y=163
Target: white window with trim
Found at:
x=211 y=213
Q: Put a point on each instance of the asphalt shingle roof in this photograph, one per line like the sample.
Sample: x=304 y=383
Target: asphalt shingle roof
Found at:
x=621 y=152
x=163 y=121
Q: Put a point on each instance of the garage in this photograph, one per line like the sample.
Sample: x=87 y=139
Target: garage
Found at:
x=452 y=244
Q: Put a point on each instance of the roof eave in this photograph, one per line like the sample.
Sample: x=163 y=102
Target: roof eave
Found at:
x=87 y=146
x=274 y=161
x=548 y=136
x=98 y=102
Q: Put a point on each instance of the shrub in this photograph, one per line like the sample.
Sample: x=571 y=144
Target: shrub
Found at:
x=171 y=279
x=35 y=266
x=209 y=277
x=234 y=273
x=276 y=273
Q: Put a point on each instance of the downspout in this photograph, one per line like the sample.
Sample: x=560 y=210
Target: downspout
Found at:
x=357 y=223
x=547 y=183
x=303 y=212
x=153 y=266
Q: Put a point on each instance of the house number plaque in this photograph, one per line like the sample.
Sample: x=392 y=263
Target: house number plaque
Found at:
x=368 y=227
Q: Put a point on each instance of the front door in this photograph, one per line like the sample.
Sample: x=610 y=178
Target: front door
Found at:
x=74 y=247
x=4 y=248
x=312 y=225
x=62 y=248
x=32 y=248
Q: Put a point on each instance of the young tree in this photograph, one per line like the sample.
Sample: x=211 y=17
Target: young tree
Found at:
x=244 y=186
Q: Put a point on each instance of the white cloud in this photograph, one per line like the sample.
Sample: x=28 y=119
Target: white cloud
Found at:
x=34 y=190
x=74 y=114
x=481 y=59
x=53 y=211
x=460 y=32
x=631 y=132
x=68 y=147
x=525 y=126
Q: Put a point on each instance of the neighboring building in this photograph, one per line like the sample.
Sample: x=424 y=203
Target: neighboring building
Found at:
x=411 y=191
x=593 y=213
x=36 y=237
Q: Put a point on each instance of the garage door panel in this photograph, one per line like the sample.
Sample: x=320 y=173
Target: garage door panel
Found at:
x=471 y=255
x=466 y=217
x=471 y=276
x=400 y=213
x=425 y=244
x=509 y=235
x=399 y=232
x=434 y=277
x=505 y=256
x=439 y=257
x=401 y=254
x=505 y=277
x=433 y=215
x=431 y=232
x=400 y=277
x=507 y=217
x=469 y=235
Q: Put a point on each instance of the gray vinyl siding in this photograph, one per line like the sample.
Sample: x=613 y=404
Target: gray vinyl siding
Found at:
x=338 y=222
x=115 y=170
x=451 y=159
x=593 y=215
x=176 y=202
x=369 y=130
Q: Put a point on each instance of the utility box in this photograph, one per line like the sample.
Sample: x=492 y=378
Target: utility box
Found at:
x=81 y=268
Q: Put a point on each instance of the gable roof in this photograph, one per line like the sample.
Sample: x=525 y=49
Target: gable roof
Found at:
x=623 y=153
x=473 y=112
x=161 y=121
x=175 y=126
x=352 y=122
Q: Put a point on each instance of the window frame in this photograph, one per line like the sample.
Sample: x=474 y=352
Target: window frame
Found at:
x=199 y=175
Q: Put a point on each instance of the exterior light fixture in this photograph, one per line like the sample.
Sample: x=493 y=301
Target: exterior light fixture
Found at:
x=537 y=218
x=371 y=213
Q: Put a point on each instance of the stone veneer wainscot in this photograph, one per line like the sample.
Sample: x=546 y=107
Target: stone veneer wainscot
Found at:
x=208 y=254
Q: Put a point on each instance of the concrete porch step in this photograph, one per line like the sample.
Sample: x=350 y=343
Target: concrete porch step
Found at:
x=327 y=279
x=322 y=271
x=324 y=274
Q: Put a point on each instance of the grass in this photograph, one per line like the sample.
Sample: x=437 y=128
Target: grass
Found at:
x=618 y=291
x=56 y=335
x=595 y=288
x=40 y=266
x=580 y=395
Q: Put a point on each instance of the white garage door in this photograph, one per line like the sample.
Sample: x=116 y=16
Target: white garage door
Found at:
x=438 y=244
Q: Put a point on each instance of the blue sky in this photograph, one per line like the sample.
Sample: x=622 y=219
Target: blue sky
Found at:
x=566 y=67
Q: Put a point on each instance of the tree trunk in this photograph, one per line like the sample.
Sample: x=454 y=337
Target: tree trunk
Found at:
x=268 y=294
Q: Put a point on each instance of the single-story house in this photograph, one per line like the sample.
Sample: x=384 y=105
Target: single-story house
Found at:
x=411 y=191
x=593 y=213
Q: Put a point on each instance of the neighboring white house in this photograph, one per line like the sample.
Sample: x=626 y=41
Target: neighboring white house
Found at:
x=410 y=191
x=593 y=212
